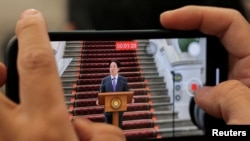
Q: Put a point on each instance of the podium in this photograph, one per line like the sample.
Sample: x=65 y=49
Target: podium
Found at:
x=115 y=102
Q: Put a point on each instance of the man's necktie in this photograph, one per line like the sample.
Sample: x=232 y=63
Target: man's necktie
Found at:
x=114 y=83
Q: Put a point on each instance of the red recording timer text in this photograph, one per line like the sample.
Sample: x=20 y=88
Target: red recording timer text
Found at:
x=126 y=45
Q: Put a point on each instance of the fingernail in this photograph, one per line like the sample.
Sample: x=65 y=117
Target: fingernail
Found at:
x=82 y=119
x=166 y=12
x=163 y=13
x=203 y=90
x=28 y=13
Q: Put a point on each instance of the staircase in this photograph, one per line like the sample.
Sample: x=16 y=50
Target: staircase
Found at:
x=151 y=116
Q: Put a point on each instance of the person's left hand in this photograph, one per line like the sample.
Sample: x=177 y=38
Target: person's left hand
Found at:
x=42 y=114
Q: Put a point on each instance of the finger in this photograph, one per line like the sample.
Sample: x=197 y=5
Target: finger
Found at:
x=3 y=74
x=89 y=131
x=228 y=100
x=240 y=70
x=227 y=24
x=6 y=104
x=40 y=85
x=6 y=108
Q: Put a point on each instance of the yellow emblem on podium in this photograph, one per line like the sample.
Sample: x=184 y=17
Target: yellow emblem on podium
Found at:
x=116 y=103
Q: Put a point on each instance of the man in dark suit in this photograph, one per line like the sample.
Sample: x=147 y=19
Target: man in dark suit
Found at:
x=114 y=83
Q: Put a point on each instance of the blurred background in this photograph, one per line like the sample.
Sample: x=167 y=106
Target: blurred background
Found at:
x=99 y=15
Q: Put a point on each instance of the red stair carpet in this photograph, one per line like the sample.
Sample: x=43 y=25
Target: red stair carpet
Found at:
x=90 y=65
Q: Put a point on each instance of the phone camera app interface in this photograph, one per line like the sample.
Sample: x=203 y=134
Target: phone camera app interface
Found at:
x=163 y=75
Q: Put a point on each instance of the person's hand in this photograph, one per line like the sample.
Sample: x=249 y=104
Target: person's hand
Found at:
x=42 y=114
x=3 y=74
x=97 y=102
x=229 y=100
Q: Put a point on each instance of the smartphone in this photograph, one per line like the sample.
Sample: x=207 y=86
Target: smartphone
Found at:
x=163 y=68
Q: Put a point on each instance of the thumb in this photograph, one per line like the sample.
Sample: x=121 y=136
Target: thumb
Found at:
x=90 y=131
x=229 y=100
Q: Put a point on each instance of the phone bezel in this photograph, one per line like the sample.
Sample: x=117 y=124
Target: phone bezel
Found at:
x=12 y=86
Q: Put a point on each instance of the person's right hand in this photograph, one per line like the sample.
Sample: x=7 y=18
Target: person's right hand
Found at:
x=229 y=100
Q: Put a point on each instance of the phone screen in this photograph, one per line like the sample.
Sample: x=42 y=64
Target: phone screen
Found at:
x=162 y=72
